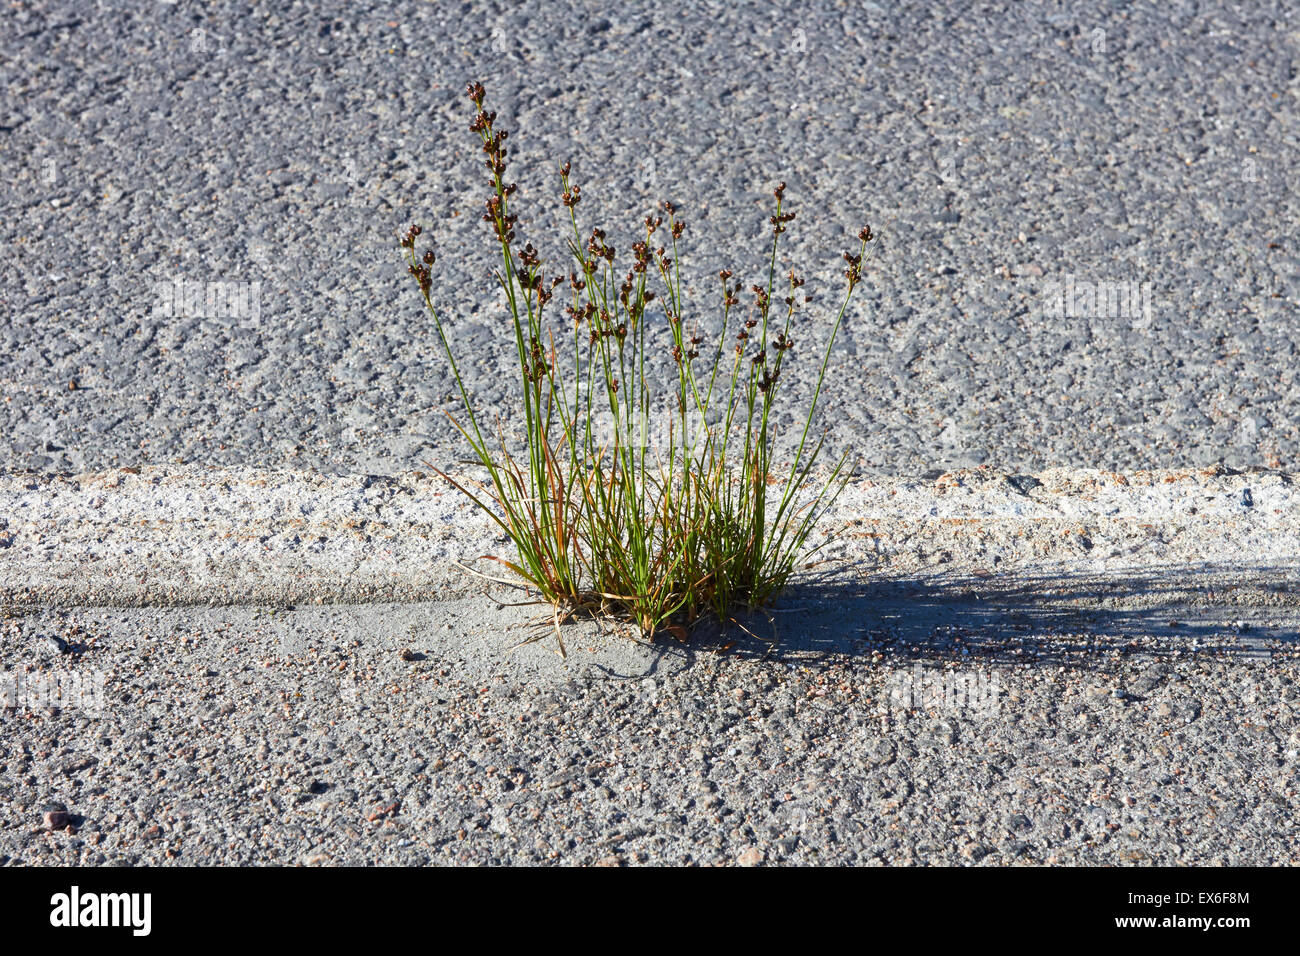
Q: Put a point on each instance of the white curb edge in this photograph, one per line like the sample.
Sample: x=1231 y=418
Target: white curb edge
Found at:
x=194 y=535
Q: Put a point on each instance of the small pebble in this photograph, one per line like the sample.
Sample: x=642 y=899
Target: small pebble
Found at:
x=54 y=816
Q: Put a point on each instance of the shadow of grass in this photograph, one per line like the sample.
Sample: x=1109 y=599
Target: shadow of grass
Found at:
x=1068 y=618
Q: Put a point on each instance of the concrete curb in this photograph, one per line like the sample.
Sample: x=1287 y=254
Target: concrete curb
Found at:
x=199 y=536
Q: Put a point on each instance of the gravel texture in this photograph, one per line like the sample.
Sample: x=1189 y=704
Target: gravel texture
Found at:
x=237 y=735
x=995 y=147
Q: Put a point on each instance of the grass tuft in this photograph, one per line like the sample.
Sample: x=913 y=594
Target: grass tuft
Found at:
x=643 y=496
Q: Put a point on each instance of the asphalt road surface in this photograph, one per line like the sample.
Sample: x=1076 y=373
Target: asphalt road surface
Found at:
x=1012 y=158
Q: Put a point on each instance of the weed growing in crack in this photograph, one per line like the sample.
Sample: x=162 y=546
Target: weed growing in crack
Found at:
x=602 y=518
